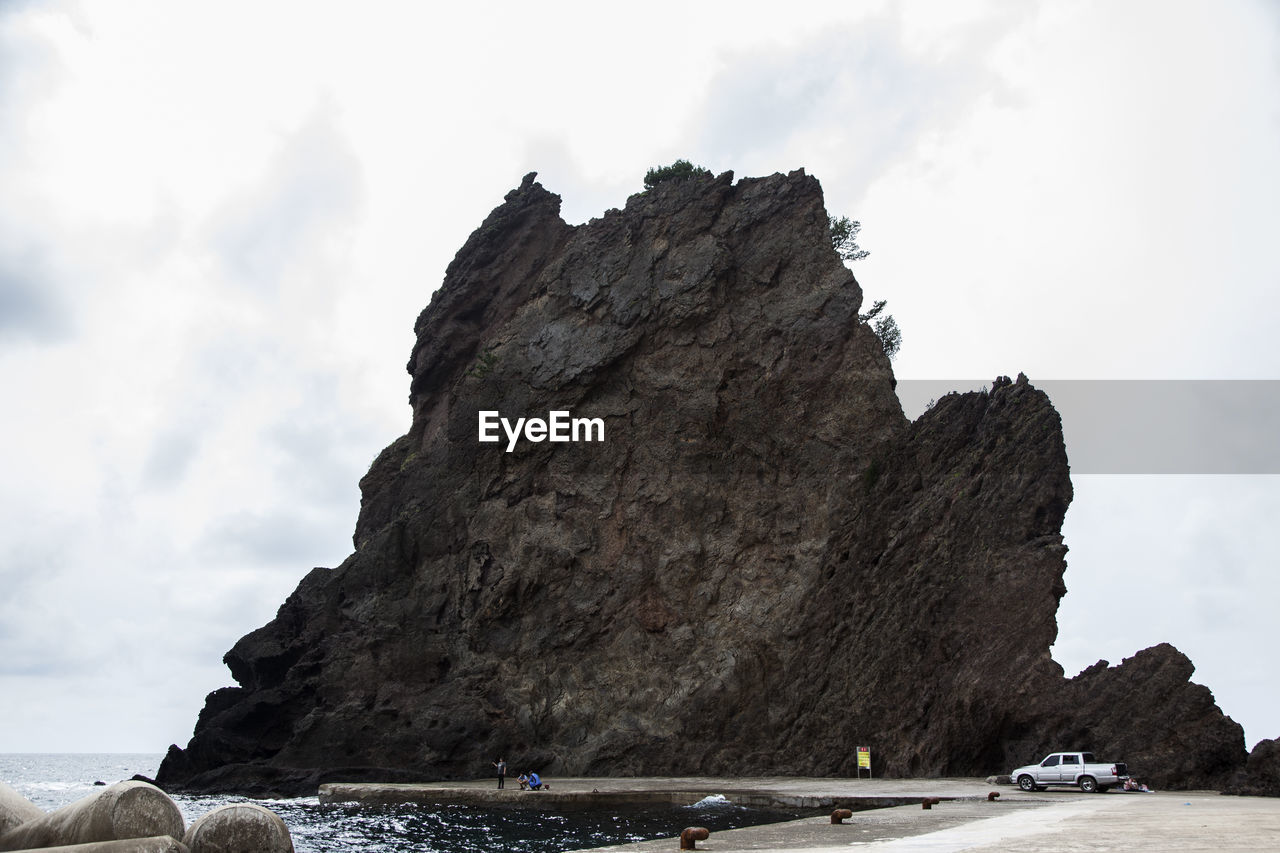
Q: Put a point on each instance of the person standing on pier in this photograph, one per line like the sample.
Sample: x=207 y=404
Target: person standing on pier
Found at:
x=501 y=764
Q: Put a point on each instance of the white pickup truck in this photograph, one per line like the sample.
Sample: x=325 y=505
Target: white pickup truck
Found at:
x=1070 y=768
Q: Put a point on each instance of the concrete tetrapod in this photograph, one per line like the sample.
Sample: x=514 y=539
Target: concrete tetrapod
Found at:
x=239 y=828
x=123 y=810
x=155 y=844
x=15 y=809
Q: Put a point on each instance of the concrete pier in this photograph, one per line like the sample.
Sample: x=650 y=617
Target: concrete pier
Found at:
x=567 y=793
x=121 y=811
x=963 y=820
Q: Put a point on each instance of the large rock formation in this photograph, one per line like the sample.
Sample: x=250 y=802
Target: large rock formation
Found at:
x=1261 y=774
x=761 y=566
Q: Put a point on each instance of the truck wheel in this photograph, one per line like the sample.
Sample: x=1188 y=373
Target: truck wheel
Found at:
x=1026 y=783
x=1088 y=784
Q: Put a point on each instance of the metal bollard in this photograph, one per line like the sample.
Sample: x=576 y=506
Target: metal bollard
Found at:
x=839 y=815
x=239 y=828
x=123 y=810
x=993 y=796
x=929 y=802
x=692 y=835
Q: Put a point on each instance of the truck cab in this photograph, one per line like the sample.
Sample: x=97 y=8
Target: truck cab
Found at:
x=1072 y=769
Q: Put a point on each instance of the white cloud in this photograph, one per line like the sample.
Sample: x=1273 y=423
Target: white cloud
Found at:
x=848 y=103
x=305 y=201
x=219 y=223
x=1180 y=559
x=1085 y=221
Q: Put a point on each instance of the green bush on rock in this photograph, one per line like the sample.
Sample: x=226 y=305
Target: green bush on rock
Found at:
x=680 y=170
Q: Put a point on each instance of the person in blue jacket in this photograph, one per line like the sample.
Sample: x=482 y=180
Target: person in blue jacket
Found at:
x=535 y=782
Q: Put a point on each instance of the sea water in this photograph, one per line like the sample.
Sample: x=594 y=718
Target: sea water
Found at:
x=55 y=780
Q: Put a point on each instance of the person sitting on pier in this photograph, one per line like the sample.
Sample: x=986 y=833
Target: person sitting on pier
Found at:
x=524 y=781
x=535 y=782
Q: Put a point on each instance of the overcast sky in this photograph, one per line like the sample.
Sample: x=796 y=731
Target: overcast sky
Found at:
x=219 y=221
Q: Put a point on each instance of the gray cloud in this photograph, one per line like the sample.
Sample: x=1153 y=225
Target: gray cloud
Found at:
x=170 y=457
x=31 y=612
x=29 y=67
x=285 y=539
x=31 y=307
x=313 y=186
x=859 y=86
x=322 y=455
x=317 y=447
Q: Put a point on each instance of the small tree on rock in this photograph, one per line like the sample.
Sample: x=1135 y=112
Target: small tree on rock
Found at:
x=886 y=329
x=844 y=237
x=680 y=170
x=874 y=312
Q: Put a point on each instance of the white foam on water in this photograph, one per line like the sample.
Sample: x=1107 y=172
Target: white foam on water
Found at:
x=712 y=800
x=53 y=786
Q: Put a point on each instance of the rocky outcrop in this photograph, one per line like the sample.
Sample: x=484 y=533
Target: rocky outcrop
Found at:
x=1261 y=774
x=762 y=565
x=1146 y=713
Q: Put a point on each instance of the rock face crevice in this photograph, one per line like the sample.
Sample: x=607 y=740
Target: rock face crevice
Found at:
x=762 y=565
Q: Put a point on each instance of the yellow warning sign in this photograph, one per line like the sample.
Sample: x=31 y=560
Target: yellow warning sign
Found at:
x=864 y=757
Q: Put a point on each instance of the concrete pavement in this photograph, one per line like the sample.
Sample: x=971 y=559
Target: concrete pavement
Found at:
x=1061 y=821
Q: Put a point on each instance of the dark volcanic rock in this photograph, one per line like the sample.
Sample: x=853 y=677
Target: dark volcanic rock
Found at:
x=1261 y=775
x=1146 y=713
x=763 y=565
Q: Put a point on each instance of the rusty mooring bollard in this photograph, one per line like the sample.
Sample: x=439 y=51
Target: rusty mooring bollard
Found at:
x=839 y=815
x=929 y=802
x=993 y=796
x=692 y=835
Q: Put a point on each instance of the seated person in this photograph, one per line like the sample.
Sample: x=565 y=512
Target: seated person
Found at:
x=524 y=781
x=535 y=781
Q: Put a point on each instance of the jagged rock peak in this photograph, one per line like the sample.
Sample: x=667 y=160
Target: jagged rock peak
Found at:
x=759 y=564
